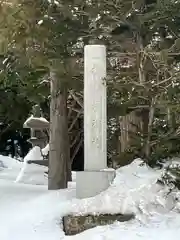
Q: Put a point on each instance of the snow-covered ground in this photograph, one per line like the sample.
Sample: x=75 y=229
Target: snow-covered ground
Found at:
x=29 y=211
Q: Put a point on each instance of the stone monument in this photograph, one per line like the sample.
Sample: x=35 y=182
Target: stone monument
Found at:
x=96 y=177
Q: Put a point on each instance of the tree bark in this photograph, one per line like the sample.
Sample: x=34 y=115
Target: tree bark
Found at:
x=150 y=125
x=59 y=155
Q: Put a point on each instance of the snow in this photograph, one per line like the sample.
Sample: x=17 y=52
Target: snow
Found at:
x=33 y=154
x=45 y=150
x=40 y=22
x=134 y=191
x=39 y=121
x=29 y=211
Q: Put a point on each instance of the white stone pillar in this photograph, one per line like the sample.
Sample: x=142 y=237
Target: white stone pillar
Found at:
x=95 y=105
x=96 y=177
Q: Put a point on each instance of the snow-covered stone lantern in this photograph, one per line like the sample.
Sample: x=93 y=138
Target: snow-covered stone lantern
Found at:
x=39 y=128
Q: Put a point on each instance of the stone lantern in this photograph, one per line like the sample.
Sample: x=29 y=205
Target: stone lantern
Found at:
x=39 y=128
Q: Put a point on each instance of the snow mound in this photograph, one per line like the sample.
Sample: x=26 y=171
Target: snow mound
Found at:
x=45 y=150
x=135 y=190
x=8 y=162
x=33 y=154
x=16 y=171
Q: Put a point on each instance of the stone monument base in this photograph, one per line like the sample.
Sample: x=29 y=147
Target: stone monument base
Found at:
x=76 y=224
x=91 y=183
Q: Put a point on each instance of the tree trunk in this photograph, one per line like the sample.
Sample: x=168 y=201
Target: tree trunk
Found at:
x=59 y=155
x=150 y=125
